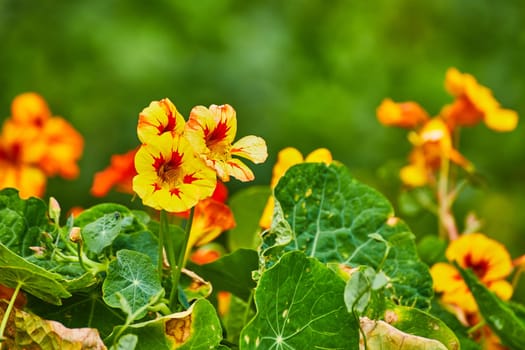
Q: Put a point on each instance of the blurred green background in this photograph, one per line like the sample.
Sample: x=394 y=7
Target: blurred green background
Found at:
x=306 y=74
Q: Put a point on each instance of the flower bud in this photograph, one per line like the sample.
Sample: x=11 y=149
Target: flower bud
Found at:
x=74 y=235
x=54 y=209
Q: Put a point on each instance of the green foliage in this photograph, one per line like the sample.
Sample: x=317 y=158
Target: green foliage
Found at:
x=33 y=279
x=232 y=272
x=498 y=315
x=131 y=283
x=300 y=305
x=331 y=216
x=247 y=206
x=22 y=222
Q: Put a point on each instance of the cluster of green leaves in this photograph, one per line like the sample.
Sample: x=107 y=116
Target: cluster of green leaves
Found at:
x=336 y=269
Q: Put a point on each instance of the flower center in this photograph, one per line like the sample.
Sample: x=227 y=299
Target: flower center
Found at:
x=480 y=267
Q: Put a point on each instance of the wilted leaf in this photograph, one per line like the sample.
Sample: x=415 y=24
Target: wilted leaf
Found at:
x=331 y=216
x=81 y=310
x=194 y=286
x=197 y=328
x=132 y=277
x=420 y=323
x=379 y=335
x=300 y=306
x=28 y=331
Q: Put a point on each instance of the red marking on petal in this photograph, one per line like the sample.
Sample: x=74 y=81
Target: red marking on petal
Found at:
x=217 y=134
x=189 y=178
x=156 y=187
x=176 y=160
x=480 y=268
x=175 y=192
x=170 y=126
x=158 y=162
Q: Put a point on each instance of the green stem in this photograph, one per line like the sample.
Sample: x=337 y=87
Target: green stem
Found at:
x=248 y=307
x=516 y=278
x=177 y=268
x=7 y=312
x=163 y=226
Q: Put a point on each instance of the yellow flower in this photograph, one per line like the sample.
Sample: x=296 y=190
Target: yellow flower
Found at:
x=487 y=258
x=169 y=174
x=404 y=114
x=211 y=132
x=474 y=103
x=287 y=158
x=431 y=144
x=159 y=117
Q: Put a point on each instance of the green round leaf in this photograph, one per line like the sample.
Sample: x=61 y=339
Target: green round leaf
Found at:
x=300 y=306
x=132 y=281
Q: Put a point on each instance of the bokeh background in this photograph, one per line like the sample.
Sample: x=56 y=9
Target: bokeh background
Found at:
x=306 y=74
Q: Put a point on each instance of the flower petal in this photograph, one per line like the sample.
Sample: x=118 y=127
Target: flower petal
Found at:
x=405 y=114
x=501 y=119
x=159 y=117
x=252 y=148
x=320 y=155
x=238 y=170
x=30 y=108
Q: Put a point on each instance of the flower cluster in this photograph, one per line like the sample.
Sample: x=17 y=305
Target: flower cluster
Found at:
x=432 y=138
x=178 y=163
x=434 y=141
x=35 y=145
x=168 y=173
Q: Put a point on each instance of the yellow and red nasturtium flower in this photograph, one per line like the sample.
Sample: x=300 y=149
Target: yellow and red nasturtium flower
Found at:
x=474 y=103
x=34 y=145
x=487 y=258
x=286 y=158
x=159 y=117
x=119 y=174
x=170 y=176
x=432 y=143
x=408 y=115
x=211 y=131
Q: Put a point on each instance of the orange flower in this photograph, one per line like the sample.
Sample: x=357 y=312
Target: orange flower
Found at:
x=159 y=117
x=212 y=131
x=119 y=173
x=431 y=144
x=34 y=144
x=287 y=158
x=211 y=218
x=169 y=174
x=488 y=259
x=474 y=103
x=404 y=114
x=64 y=146
x=30 y=108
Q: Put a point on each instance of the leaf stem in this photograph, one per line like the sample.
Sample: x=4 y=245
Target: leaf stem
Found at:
x=163 y=226
x=248 y=306
x=7 y=312
x=177 y=268
x=446 y=221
